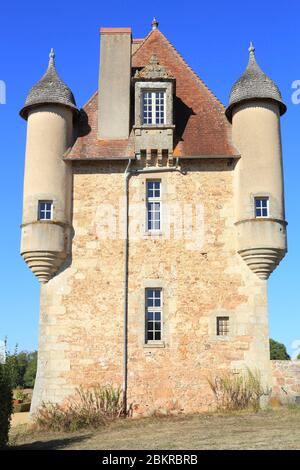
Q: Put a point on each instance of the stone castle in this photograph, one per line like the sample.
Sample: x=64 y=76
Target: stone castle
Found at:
x=152 y=218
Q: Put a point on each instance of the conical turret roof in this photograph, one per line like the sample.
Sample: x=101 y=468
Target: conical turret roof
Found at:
x=254 y=84
x=50 y=89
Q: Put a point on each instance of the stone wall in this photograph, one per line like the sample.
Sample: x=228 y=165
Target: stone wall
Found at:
x=81 y=325
x=286 y=380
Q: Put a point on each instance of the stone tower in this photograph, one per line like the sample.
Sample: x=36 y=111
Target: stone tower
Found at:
x=49 y=110
x=255 y=107
x=153 y=218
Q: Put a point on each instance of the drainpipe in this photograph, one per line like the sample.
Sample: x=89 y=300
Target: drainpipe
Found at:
x=127 y=174
x=125 y=355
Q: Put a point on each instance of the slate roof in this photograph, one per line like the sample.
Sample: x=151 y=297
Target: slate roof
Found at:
x=201 y=127
x=49 y=89
x=254 y=84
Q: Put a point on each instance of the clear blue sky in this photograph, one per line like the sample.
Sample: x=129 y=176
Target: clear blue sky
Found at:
x=213 y=37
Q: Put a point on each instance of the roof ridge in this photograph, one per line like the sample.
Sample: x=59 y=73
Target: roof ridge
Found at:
x=196 y=76
x=143 y=41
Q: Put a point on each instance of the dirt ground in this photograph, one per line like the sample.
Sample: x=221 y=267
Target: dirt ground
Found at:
x=274 y=429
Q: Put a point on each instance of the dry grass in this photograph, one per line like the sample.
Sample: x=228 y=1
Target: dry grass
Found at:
x=278 y=429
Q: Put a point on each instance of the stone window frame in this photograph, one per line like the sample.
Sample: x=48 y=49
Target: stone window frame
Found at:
x=143 y=86
x=154 y=284
x=140 y=183
x=212 y=326
x=158 y=309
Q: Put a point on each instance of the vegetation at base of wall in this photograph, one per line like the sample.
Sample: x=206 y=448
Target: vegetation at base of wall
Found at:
x=5 y=402
x=278 y=351
x=89 y=408
x=23 y=366
x=237 y=391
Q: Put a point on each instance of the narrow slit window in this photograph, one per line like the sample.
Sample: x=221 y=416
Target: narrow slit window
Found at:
x=261 y=207
x=45 y=210
x=154 y=109
x=153 y=315
x=153 y=205
x=222 y=326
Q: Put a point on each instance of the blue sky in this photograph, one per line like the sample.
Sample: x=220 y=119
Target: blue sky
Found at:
x=213 y=37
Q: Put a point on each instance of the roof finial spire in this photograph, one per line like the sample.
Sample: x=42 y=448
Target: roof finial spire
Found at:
x=251 y=48
x=154 y=23
x=51 y=55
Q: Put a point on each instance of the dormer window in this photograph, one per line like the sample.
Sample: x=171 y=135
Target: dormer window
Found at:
x=154 y=107
x=154 y=87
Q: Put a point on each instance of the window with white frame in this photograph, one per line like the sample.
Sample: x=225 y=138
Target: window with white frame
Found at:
x=154 y=107
x=153 y=205
x=261 y=207
x=153 y=315
x=45 y=210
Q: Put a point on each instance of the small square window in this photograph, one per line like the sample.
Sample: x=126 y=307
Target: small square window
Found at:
x=45 y=210
x=222 y=326
x=261 y=207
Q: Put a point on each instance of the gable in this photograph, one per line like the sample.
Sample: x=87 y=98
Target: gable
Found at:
x=201 y=128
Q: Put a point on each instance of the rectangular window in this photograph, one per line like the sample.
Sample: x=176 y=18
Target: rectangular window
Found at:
x=261 y=207
x=222 y=326
x=153 y=315
x=154 y=107
x=45 y=210
x=153 y=205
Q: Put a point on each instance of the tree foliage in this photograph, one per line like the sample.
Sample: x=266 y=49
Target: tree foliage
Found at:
x=23 y=367
x=5 y=402
x=278 y=351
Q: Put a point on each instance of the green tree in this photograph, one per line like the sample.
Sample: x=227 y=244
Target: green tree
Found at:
x=5 y=400
x=298 y=357
x=278 y=351
x=30 y=373
x=23 y=368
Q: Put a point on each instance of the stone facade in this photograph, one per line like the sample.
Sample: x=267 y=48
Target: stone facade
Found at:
x=81 y=333
x=286 y=381
x=210 y=167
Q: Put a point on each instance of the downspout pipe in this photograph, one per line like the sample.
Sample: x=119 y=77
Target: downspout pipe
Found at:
x=130 y=172
x=126 y=236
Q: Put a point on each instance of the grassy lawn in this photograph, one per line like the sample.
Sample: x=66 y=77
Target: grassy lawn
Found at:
x=278 y=429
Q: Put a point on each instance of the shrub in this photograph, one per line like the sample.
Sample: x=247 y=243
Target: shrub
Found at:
x=278 y=351
x=237 y=391
x=88 y=408
x=5 y=402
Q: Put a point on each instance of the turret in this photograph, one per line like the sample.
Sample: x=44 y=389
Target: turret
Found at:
x=255 y=107
x=49 y=110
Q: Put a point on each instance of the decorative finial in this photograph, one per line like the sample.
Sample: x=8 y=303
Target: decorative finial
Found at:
x=154 y=23
x=251 y=48
x=51 y=55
